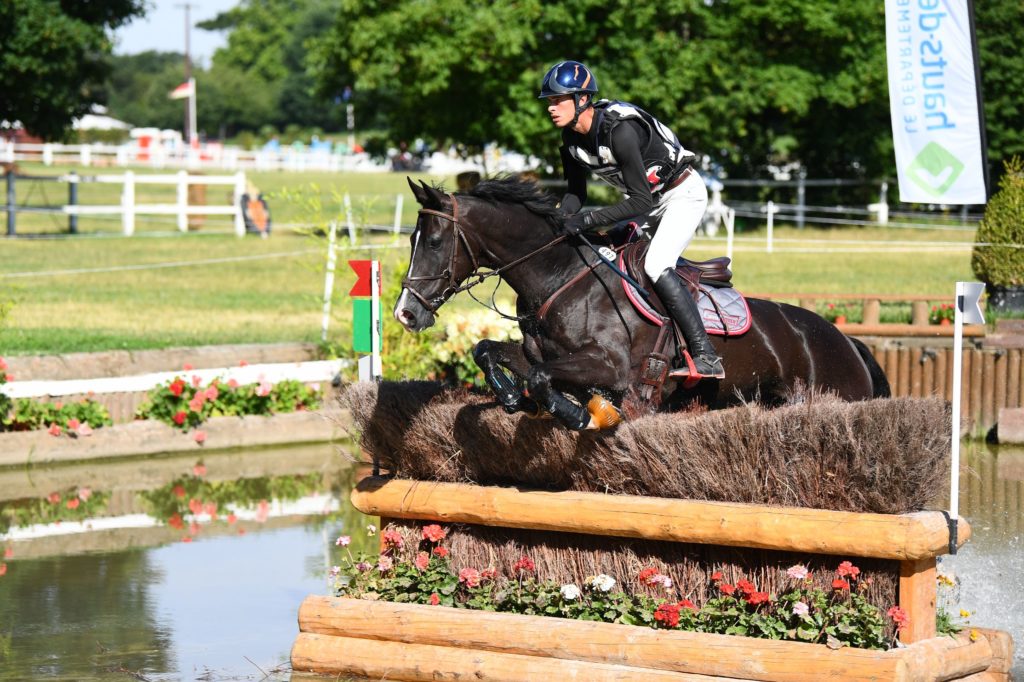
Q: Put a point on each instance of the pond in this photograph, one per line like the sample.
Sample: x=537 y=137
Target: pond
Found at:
x=122 y=588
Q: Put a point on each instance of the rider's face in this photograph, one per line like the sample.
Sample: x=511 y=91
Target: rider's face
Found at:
x=562 y=109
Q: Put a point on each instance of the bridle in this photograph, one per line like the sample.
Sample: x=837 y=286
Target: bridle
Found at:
x=475 y=276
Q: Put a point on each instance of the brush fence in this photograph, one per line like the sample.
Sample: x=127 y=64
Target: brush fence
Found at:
x=341 y=636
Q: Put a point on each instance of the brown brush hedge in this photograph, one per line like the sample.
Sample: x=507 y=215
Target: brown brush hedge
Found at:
x=884 y=456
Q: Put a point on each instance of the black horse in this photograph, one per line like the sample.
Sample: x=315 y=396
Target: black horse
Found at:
x=588 y=339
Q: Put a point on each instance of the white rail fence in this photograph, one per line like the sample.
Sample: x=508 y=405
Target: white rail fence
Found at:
x=206 y=158
x=129 y=208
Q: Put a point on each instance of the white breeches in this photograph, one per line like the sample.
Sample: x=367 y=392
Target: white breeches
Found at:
x=680 y=210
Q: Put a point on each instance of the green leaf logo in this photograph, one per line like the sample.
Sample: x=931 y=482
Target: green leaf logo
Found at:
x=935 y=169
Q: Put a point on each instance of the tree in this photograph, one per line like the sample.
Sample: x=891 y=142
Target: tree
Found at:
x=138 y=86
x=748 y=82
x=53 y=59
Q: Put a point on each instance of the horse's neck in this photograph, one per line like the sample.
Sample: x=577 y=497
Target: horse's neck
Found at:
x=537 y=277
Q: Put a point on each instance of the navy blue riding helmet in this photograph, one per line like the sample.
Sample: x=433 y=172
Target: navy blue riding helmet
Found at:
x=569 y=78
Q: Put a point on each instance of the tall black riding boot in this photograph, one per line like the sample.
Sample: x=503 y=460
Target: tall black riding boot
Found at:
x=681 y=307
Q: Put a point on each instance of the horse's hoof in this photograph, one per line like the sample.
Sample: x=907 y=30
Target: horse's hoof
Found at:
x=603 y=414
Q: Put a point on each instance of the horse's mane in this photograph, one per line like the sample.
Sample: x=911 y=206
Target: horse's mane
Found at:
x=510 y=189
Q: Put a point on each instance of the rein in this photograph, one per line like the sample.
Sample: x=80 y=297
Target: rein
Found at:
x=475 y=276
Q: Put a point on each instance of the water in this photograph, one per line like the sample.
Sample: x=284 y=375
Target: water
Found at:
x=123 y=594
x=134 y=598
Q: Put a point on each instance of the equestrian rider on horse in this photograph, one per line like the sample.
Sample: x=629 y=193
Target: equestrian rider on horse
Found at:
x=635 y=153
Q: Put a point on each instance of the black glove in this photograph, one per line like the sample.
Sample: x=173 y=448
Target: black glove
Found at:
x=580 y=222
x=570 y=204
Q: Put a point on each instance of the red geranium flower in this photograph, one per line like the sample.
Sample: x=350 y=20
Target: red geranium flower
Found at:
x=422 y=561
x=434 y=599
x=756 y=598
x=392 y=537
x=524 y=565
x=646 y=574
x=899 y=616
x=668 y=615
x=441 y=552
x=434 y=533
x=178 y=491
x=745 y=586
x=72 y=503
x=726 y=588
x=176 y=387
x=846 y=569
x=687 y=604
x=175 y=521
x=470 y=576
x=840 y=584
x=3 y=569
x=717 y=576
x=179 y=417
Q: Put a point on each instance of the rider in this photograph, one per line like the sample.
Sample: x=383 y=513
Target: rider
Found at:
x=634 y=152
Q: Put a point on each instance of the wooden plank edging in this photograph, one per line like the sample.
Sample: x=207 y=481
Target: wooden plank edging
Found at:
x=333 y=630
x=902 y=537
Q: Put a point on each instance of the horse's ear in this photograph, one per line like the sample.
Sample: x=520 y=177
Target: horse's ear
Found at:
x=434 y=197
x=421 y=196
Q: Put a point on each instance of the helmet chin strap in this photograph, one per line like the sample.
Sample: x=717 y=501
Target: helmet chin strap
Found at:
x=579 y=108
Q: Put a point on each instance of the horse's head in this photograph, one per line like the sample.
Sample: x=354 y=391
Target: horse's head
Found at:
x=441 y=258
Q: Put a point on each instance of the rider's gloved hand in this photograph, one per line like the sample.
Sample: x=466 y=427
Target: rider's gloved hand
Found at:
x=570 y=204
x=580 y=222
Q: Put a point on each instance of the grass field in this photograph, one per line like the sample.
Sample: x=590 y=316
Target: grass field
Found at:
x=74 y=294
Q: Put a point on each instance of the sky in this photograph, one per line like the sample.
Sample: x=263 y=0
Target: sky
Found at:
x=163 y=29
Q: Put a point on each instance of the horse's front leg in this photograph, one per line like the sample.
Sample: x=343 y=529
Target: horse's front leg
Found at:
x=598 y=413
x=492 y=357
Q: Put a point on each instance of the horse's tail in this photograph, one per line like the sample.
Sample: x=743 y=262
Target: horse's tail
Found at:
x=878 y=378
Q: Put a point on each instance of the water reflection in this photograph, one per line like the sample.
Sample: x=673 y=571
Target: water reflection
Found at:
x=990 y=567
x=171 y=568
x=121 y=584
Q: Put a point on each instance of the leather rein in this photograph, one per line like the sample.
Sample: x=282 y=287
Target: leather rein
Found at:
x=475 y=276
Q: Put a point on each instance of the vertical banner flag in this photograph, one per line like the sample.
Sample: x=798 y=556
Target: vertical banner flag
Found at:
x=363 y=318
x=935 y=101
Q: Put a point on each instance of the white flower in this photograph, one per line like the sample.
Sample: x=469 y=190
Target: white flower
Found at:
x=343 y=541
x=661 y=579
x=604 y=582
x=570 y=592
x=335 y=570
x=798 y=572
x=800 y=609
x=371 y=530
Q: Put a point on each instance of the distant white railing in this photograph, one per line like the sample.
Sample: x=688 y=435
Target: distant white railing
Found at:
x=215 y=157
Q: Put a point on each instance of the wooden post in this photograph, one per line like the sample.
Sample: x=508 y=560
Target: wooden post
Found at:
x=917 y=595
x=1013 y=378
x=919 y=313
x=1000 y=363
x=941 y=384
x=916 y=371
x=989 y=409
x=903 y=376
x=807 y=304
x=974 y=387
x=872 y=311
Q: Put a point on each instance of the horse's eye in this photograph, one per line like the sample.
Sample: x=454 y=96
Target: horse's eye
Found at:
x=434 y=243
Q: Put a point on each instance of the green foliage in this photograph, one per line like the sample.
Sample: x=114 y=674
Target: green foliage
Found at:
x=998 y=260
x=138 y=87
x=53 y=59
x=186 y=404
x=5 y=402
x=29 y=415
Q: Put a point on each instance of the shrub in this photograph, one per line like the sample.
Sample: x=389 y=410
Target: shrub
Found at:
x=998 y=259
x=29 y=415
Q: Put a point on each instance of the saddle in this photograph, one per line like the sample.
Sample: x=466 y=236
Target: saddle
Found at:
x=723 y=310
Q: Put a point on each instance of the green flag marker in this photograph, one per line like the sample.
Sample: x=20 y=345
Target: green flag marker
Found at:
x=362 y=325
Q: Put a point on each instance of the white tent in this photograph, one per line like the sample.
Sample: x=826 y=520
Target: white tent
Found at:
x=98 y=120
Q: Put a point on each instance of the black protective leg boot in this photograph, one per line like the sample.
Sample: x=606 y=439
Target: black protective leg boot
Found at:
x=681 y=307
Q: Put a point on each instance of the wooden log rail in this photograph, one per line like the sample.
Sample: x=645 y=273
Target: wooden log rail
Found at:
x=416 y=642
x=871 y=308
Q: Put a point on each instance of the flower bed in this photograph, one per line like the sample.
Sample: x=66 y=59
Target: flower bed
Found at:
x=75 y=419
x=422 y=573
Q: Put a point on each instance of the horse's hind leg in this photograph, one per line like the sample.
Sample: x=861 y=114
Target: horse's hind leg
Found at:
x=491 y=357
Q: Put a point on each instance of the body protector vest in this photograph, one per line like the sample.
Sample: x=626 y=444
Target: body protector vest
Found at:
x=664 y=157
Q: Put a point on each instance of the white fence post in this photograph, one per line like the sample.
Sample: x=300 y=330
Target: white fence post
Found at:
x=348 y=219
x=771 y=225
x=128 y=204
x=730 y=225
x=183 y=201
x=239 y=191
x=47 y=154
x=85 y=155
x=398 y=215
x=9 y=152
x=332 y=257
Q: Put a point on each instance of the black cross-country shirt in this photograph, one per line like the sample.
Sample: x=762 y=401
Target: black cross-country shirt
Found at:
x=626 y=141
